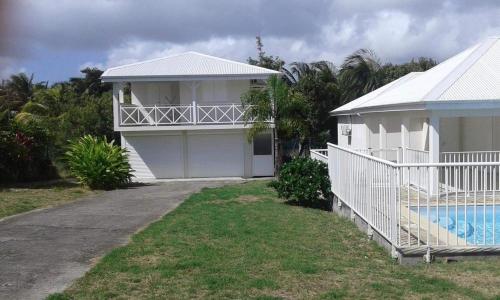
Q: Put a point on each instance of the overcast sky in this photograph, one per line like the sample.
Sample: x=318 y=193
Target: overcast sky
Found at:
x=56 y=38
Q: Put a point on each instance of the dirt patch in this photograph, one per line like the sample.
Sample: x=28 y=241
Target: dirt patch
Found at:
x=245 y=199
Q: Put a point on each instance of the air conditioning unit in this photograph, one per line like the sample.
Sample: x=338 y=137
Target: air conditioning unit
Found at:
x=346 y=130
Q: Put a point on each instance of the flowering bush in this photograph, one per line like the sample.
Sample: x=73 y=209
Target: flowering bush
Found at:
x=305 y=181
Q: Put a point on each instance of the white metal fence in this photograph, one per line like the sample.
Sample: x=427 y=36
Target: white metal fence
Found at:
x=471 y=156
x=320 y=154
x=412 y=204
x=133 y=115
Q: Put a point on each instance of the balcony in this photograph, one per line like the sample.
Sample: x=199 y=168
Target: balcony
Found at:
x=178 y=115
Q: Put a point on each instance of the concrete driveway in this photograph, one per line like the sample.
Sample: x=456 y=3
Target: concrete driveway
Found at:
x=42 y=252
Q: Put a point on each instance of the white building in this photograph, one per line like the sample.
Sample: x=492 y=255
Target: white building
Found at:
x=183 y=117
x=453 y=107
x=418 y=159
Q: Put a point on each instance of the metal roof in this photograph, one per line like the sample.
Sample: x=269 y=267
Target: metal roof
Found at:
x=186 y=66
x=472 y=75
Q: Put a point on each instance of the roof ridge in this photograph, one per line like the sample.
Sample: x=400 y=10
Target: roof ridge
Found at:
x=184 y=53
x=232 y=61
x=444 y=84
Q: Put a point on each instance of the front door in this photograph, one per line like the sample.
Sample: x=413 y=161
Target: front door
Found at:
x=263 y=158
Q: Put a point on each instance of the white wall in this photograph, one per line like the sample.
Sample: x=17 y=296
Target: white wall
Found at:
x=359 y=134
x=214 y=91
x=154 y=93
x=469 y=134
x=190 y=153
x=366 y=130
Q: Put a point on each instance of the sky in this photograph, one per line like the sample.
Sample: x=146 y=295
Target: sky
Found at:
x=54 y=39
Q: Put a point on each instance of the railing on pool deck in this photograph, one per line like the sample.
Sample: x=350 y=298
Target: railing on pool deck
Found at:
x=471 y=156
x=320 y=154
x=419 y=204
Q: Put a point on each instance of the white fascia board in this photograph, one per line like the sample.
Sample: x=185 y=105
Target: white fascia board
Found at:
x=382 y=108
x=184 y=78
x=183 y=127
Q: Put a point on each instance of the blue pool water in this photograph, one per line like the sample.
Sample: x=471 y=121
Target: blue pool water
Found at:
x=474 y=229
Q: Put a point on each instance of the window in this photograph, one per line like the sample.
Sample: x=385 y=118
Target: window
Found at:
x=262 y=144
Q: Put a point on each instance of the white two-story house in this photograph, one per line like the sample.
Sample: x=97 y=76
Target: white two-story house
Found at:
x=181 y=117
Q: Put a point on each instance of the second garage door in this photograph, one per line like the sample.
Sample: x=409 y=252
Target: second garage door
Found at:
x=213 y=155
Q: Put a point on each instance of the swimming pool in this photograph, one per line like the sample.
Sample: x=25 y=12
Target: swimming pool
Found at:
x=479 y=227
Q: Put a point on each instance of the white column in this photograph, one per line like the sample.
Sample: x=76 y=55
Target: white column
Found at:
x=434 y=139
x=433 y=151
x=194 y=85
x=382 y=137
x=405 y=136
x=117 y=99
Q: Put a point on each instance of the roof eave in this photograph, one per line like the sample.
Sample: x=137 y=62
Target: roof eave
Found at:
x=264 y=76
x=381 y=108
x=442 y=105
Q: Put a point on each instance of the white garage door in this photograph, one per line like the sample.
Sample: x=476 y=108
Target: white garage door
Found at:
x=213 y=155
x=156 y=156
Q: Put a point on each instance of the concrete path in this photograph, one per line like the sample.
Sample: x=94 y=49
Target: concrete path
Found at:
x=44 y=251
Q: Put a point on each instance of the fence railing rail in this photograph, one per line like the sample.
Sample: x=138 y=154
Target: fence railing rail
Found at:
x=134 y=115
x=417 y=203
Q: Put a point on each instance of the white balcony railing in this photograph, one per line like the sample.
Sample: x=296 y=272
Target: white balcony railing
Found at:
x=131 y=115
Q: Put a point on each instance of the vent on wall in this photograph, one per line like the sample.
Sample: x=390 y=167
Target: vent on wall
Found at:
x=346 y=130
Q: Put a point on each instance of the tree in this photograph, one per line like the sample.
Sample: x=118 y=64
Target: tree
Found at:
x=391 y=72
x=18 y=90
x=287 y=108
x=360 y=74
x=265 y=61
x=91 y=83
x=318 y=83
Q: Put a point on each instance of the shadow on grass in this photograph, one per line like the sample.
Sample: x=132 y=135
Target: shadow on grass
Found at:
x=324 y=204
x=60 y=183
x=56 y=183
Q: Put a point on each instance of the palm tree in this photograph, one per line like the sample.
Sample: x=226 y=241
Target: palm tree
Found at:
x=360 y=74
x=287 y=109
x=317 y=81
x=19 y=90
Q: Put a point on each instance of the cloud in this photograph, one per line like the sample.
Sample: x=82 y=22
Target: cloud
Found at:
x=124 y=31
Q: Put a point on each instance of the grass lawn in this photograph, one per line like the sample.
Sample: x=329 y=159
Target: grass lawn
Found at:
x=242 y=242
x=15 y=199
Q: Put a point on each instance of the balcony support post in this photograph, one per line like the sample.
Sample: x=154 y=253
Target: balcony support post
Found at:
x=194 y=86
x=117 y=101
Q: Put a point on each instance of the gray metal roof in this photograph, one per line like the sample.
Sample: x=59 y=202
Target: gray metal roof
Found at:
x=186 y=66
x=472 y=75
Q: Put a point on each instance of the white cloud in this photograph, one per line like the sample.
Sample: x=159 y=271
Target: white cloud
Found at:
x=126 y=31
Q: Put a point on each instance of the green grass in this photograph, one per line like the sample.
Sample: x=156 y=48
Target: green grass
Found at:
x=15 y=199
x=242 y=242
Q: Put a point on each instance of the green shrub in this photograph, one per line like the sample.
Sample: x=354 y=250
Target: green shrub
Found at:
x=97 y=163
x=24 y=153
x=305 y=181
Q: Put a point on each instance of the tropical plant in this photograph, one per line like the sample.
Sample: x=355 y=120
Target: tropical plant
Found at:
x=318 y=83
x=265 y=61
x=305 y=181
x=24 y=150
x=276 y=101
x=97 y=163
x=359 y=74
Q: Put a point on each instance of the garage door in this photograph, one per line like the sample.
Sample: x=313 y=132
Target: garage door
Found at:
x=212 y=155
x=156 y=156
